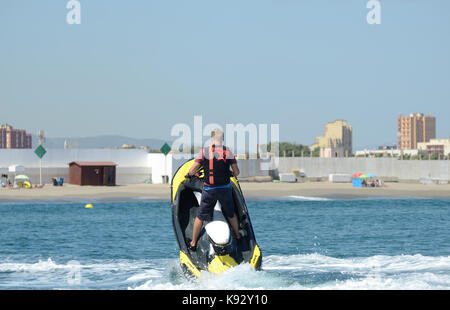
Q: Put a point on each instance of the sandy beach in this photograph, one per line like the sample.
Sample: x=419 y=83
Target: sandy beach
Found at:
x=252 y=191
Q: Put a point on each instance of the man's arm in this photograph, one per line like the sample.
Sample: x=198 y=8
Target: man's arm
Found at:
x=194 y=168
x=235 y=169
x=197 y=163
x=233 y=162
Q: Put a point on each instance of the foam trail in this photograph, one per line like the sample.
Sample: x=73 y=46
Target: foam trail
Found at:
x=375 y=272
x=317 y=272
x=285 y=272
x=381 y=263
x=40 y=266
x=241 y=277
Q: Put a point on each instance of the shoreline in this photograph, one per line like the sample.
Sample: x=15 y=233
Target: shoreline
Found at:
x=252 y=191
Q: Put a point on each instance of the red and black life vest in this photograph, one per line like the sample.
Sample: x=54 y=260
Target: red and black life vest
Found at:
x=216 y=166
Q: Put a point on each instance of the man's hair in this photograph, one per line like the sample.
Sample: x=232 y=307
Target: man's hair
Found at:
x=217 y=135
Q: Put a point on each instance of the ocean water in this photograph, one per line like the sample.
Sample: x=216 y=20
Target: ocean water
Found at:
x=306 y=243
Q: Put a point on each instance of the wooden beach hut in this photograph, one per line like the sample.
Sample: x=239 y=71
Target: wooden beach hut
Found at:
x=92 y=173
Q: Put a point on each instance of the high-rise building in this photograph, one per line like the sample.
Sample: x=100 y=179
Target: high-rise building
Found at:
x=337 y=140
x=414 y=129
x=11 y=138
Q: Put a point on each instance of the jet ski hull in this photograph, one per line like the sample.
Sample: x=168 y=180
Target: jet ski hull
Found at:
x=184 y=211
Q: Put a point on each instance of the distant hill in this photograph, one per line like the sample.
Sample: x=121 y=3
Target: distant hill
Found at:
x=109 y=141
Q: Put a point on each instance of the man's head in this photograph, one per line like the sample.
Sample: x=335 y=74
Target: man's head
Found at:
x=217 y=136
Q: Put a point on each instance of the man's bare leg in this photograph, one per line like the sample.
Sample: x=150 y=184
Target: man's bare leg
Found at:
x=198 y=224
x=234 y=224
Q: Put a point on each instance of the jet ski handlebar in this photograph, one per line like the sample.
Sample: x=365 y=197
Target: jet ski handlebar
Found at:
x=199 y=175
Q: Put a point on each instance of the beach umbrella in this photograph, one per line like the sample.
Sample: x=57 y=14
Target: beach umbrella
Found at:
x=364 y=176
x=21 y=177
x=22 y=181
x=357 y=175
x=372 y=175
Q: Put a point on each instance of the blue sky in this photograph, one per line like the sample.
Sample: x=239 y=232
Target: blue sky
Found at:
x=136 y=68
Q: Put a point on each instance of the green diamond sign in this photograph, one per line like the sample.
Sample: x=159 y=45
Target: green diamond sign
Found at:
x=165 y=149
x=40 y=151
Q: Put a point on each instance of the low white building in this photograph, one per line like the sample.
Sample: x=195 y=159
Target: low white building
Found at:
x=386 y=153
x=435 y=146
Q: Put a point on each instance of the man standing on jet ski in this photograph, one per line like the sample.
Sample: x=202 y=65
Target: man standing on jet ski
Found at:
x=216 y=161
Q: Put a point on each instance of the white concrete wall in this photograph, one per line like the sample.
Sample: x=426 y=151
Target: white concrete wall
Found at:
x=61 y=158
x=124 y=175
x=383 y=167
x=165 y=165
x=132 y=165
x=251 y=168
x=136 y=166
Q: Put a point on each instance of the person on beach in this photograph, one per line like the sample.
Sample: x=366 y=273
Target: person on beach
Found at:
x=216 y=161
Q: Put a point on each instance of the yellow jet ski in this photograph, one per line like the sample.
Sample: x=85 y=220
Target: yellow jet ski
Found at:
x=217 y=248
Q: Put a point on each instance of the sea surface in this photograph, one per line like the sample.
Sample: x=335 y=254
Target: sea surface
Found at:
x=306 y=243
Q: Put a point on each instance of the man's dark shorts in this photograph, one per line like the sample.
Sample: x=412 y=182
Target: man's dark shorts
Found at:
x=209 y=199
